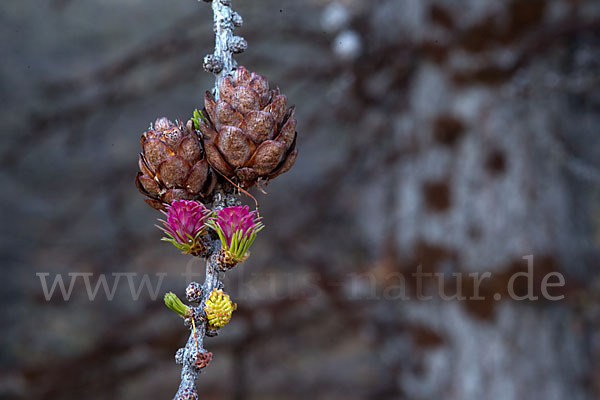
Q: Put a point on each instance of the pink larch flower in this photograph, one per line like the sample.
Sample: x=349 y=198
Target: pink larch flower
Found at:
x=185 y=225
x=237 y=228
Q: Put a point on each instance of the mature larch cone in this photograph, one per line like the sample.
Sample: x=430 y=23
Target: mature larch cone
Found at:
x=173 y=165
x=248 y=134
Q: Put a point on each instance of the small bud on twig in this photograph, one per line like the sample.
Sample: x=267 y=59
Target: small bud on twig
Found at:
x=236 y=19
x=212 y=64
x=179 y=355
x=187 y=394
x=211 y=331
x=194 y=292
x=200 y=359
x=237 y=44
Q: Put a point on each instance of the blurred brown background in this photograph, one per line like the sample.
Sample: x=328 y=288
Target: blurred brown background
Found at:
x=459 y=135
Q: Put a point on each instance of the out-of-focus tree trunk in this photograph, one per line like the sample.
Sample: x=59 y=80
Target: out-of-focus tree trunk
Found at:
x=495 y=127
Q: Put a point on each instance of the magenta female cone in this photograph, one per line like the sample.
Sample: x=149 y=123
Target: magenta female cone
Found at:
x=185 y=226
x=237 y=228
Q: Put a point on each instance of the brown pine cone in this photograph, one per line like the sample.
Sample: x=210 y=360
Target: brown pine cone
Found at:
x=248 y=135
x=173 y=165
